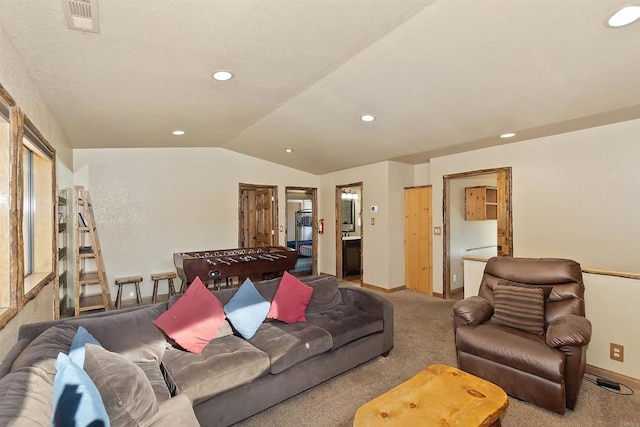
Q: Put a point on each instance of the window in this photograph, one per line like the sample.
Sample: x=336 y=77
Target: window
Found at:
x=37 y=209
x=28 y=246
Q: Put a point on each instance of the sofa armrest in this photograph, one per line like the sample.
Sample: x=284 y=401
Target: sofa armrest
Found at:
x=173 y=412
x=472 y=310
x=570 y=330
x=370 y=302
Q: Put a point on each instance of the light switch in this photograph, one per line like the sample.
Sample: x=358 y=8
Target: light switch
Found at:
x=437 y=231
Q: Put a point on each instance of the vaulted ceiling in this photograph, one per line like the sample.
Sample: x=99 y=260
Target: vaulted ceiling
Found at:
x=439 y=76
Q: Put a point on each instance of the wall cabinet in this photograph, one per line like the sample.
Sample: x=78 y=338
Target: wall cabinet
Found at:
x=481 y=203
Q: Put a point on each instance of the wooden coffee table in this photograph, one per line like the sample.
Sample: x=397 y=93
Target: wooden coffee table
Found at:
x=438 y=396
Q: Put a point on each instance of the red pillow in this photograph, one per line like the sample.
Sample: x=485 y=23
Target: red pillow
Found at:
x=194 y=319
x=291 y=300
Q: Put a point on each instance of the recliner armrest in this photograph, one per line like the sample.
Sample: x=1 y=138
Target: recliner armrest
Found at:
x=570 y=329
x=473 y=310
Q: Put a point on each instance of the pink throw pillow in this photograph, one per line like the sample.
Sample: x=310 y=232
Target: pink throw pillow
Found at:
x=291 y=300
x=194 y=319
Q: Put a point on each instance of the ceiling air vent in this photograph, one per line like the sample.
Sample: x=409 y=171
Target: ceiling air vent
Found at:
x=81 y=15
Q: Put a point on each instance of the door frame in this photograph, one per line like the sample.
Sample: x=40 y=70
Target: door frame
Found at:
x=338 y=213
x=505 y=218
x=314 y=226
x=275 y=235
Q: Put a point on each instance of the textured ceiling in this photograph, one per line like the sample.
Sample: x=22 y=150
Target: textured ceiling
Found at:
x=440 y=76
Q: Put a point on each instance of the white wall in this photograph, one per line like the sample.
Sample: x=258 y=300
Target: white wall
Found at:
x=150 y=203
x=422 y=174
x=575 y=195
x=17 y=82
x=382 y=243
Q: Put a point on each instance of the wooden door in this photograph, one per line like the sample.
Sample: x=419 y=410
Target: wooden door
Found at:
x=417 y=239
x=264 y=217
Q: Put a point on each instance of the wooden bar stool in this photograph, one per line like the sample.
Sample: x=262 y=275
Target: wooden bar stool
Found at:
x=162 y=276
x=125 y=281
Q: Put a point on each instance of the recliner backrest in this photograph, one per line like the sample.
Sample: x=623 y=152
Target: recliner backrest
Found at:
x=564 y=276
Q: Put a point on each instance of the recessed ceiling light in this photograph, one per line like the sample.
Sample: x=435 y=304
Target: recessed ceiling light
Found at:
x=624 y=16
x=367 y=118
x=178 y=132
x=222 y=75
x=288 y=150
x=508 y=135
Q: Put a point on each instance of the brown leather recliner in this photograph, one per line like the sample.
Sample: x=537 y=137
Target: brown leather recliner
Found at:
x=546 y=369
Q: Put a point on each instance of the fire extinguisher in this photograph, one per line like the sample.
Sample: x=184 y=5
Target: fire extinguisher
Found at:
x=321 y=226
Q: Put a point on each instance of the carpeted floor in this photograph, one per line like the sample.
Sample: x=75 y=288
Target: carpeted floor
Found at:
x=424 y=336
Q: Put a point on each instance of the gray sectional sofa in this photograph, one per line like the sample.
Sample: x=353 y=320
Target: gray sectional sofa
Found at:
x=232 y=378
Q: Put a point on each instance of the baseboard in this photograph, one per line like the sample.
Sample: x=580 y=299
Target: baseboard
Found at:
x=384 y=290
x=326 y=274
x=613 y=376
x=437 y=295
x=457 y=291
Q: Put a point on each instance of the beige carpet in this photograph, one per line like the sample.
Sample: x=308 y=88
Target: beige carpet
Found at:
x=424 y=336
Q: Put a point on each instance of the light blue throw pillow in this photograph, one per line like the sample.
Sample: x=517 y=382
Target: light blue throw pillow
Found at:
x=76 y=352
x=246 y=310
x=76 y=399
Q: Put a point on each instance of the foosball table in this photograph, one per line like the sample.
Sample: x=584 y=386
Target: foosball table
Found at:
x=216 y=264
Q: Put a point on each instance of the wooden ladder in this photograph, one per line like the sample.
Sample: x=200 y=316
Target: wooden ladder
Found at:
x=87 y=248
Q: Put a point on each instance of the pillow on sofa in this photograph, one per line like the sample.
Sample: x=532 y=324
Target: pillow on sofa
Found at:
x=246 y=310
x=326 y=293
x=291 y=300
x=25 y=398
x=76 y=352
x=126 y=392
x=76 y=399
x=520 y=307
x=194 y=319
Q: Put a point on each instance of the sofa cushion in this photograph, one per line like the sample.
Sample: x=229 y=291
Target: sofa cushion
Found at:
x=520 y=307
x=76 y=399
x=326 y=293
x=247 y=309
x=142 y=342
x=154 y=374
x=77 y=351
x=346 y=323
x=289 y=344
x=194 y=319
x=126 y=392
x=43 y=351
x=290 y=300
x=224 y=363
x=512 y=347
x=175 y=412
x=25 y=398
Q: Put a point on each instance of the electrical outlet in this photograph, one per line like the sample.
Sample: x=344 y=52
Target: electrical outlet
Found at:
x=616 y=352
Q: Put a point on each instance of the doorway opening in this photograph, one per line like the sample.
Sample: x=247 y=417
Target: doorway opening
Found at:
x=349 y=232
x=257 y=215
x=477 y=222
x=301 y=228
